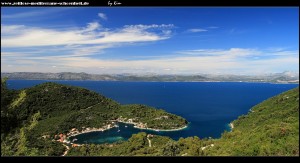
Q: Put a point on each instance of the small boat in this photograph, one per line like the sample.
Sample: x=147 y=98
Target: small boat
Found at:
x=118 y=131
x=74 y=140
x=125 y=126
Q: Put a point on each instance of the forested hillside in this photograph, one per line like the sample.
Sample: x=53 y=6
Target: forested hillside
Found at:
x=30 y=118
x=271 y=128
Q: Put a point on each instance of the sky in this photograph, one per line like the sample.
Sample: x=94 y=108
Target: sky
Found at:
x=150 y=40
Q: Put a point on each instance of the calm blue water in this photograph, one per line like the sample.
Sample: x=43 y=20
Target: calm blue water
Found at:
x=208 y=106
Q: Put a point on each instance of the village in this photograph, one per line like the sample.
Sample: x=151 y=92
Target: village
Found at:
x=139 y=125
x=66 y=138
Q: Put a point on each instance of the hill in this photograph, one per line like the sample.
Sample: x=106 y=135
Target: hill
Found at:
x=271 y=128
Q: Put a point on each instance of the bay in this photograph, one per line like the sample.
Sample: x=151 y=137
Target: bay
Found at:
x=208 y=106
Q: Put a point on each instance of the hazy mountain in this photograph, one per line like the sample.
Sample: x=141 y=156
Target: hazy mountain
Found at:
x=284 y=77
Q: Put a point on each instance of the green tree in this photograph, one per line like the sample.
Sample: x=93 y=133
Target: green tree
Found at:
x=171 y=149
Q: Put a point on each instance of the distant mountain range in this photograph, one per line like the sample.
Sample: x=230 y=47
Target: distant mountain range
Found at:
x=284 y=77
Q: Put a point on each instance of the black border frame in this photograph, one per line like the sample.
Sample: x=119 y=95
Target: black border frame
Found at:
x=158 y=3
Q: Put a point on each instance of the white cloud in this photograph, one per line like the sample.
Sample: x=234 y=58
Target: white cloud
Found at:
x=213 y=27
x=233 y=60
x=92 y=34
x=167 y=32
x=10 y=29
x=35 y=48
x=232 y=52
x=144 y=27
x=193 y=30
x=102 y=16
x=92 y=26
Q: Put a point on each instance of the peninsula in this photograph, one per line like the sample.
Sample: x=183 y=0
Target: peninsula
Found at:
x=49 y=113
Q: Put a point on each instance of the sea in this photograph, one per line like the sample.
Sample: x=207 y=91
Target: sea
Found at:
x=209 y=107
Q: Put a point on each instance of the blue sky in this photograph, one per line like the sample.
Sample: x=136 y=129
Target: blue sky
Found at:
x=174 y=40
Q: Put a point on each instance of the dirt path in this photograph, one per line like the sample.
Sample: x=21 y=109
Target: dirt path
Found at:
x=203 y=148
x=91 y=106
x=66 y=152
x=149 y=141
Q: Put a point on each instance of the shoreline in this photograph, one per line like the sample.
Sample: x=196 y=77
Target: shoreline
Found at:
x=104 y=128
x=231 y=126
x=113 y=126
x=153 y=129
x=158 y=130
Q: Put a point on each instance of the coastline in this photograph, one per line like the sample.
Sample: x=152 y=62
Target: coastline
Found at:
x=153 y=129
x=108 y=127
x=231 y=126
x=104 y=128
x=176 y=129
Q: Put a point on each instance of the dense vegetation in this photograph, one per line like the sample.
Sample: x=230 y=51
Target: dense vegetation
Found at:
x=271 y=128
x=138 y=145
x=31 y=117
x=157 y=119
